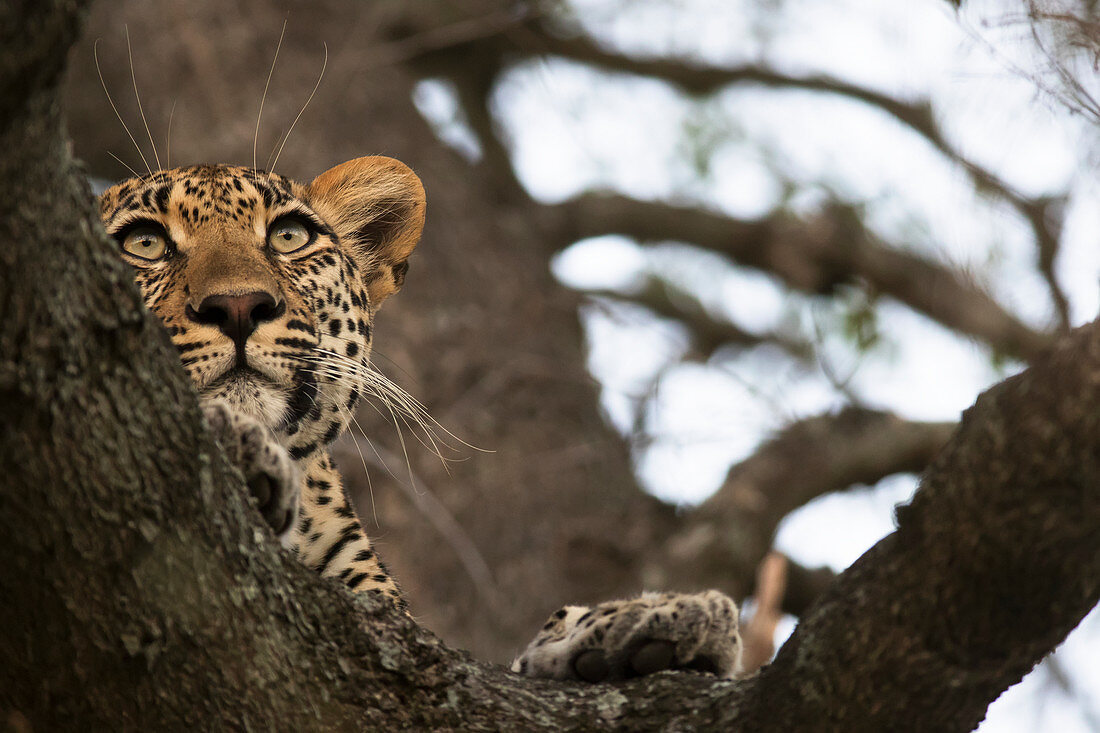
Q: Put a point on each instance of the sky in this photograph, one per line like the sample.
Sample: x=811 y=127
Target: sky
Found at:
x=573 y=129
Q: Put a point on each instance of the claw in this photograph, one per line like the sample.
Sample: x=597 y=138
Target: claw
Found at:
x=269 y=472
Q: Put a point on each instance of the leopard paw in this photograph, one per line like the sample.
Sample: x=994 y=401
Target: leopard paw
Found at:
x=622 y=639
x=269 y=471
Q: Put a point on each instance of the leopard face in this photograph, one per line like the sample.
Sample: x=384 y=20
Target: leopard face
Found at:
x=269 y=287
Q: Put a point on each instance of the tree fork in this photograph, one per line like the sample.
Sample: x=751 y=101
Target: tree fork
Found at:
x=142 y=592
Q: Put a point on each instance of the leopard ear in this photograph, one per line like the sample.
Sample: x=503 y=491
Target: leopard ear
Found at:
x=376 y=207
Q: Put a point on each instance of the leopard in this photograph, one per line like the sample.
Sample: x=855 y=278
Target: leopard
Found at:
x=268 y=288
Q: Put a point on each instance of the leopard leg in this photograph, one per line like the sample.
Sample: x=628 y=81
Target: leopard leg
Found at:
x=329 y=536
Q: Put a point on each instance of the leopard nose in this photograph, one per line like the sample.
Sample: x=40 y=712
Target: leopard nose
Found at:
x=237 y=316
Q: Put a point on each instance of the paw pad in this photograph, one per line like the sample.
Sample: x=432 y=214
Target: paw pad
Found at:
x=591 y=665
x=653 y=656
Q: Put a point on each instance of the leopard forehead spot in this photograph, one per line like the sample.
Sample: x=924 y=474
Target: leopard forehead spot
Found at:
x=201 y=196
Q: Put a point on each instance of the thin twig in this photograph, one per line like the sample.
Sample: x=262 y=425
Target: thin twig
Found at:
x=425 y=501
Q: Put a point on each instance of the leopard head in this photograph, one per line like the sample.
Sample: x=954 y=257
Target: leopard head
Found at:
x=268 y=287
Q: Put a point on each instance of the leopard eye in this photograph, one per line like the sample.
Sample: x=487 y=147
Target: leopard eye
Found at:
x=146 y=242
x=288 y=235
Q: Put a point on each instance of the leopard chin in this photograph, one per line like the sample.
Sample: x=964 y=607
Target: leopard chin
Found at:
x=251 y=393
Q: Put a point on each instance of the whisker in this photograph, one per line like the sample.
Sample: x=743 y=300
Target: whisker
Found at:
x=137 y=96
x=370 y=374
x=324 y=65
x=405 y=450
x=95 y=54
x=256 y=135
x=374 y=449
x=168 y=138
x=329 y=371
x=409 y=403
x=124 y=163
x=363 y=459
x=400 y=435
x=453 y=534
x=390 y=397
x=374 y=353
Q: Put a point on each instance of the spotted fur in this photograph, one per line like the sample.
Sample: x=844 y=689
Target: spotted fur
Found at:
x=621 y=639
x=273 y=340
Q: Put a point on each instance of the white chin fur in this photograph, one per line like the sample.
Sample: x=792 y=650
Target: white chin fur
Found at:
x=253 y=397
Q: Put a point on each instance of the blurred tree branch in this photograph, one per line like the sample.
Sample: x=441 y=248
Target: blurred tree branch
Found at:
x=722 y=541
x=1044 y=214
x=811 y=255
x=474 y=78
x=708 y=332
x=781 y=243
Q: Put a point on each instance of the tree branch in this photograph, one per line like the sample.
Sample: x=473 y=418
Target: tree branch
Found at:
x=813 y=255
x=522 y=34
x=725 y=538
x=467 y=53
x=1044 y=220
x=708 y=332
x=474 y=78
